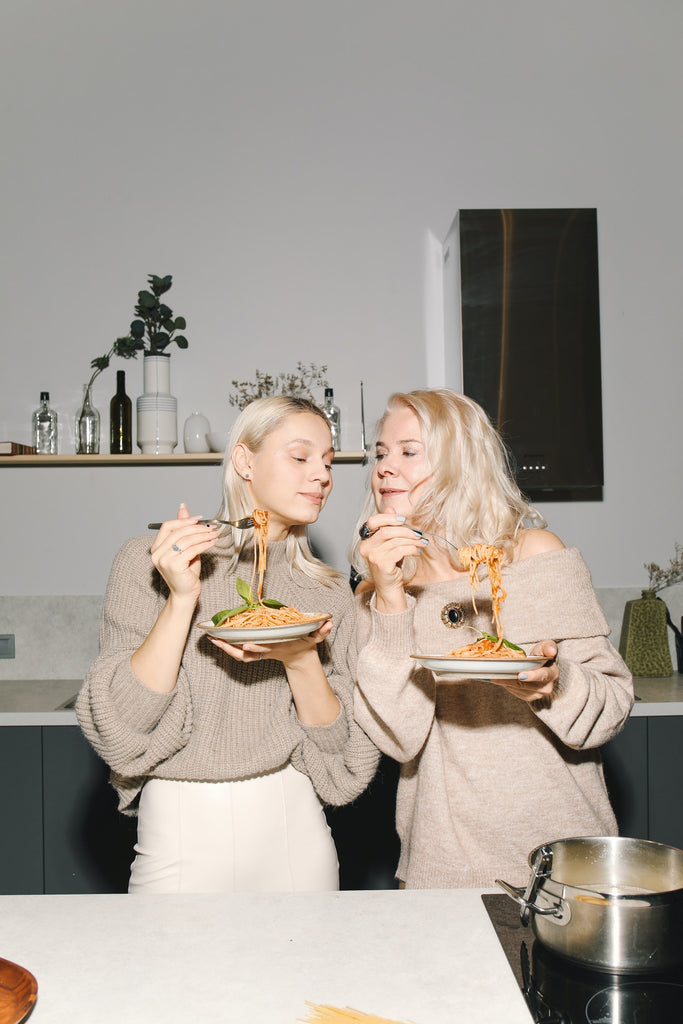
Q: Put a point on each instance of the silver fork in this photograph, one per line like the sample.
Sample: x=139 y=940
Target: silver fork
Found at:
x=365 y=531
x=239 y=524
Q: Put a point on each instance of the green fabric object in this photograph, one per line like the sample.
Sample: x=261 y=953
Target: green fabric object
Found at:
x=644 y=642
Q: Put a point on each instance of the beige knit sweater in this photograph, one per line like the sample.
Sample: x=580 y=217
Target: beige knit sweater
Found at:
x=224 y=719
x=486 y=777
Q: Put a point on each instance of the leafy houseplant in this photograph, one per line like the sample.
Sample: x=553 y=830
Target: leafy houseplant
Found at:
x=152 y=331
x=296 y=385
x=154 y=327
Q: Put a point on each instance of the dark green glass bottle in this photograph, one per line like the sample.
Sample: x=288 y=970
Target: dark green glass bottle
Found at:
x=120 y=419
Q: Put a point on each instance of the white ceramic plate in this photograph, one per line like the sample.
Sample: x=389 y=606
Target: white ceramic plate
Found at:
x=266 y=635
x=478 y=668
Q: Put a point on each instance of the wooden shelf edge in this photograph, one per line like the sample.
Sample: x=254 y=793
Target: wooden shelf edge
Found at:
x=181 y=459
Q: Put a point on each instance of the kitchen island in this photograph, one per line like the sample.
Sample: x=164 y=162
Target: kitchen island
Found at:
x=425 y=957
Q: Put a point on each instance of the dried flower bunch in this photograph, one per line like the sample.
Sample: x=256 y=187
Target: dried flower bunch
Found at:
x=297 y=385
x=660 y=579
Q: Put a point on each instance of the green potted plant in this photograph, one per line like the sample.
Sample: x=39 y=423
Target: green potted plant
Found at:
x=152 y=331
x=644 y=641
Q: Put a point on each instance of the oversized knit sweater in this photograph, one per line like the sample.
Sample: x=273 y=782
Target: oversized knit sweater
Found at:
x=486 y=777
x=223 y=720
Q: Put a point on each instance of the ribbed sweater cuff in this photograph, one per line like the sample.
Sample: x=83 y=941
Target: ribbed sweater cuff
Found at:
x=139 y=706
x=394 y=631
x=332 y=738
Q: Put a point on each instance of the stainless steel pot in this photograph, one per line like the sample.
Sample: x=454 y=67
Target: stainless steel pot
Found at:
x=610 y=903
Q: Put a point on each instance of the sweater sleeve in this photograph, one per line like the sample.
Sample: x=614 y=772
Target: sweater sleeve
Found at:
x=339 y=758
x=130 y=726
x=593 y=695
x=395 y=697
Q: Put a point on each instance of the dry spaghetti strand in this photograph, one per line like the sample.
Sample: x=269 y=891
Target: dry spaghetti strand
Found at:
x=335 y=1015
x=486 y=554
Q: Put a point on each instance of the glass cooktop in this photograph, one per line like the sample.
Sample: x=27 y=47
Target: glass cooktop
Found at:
x=559 y=992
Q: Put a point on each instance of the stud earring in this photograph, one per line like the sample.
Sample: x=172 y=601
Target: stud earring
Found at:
x=246 y=476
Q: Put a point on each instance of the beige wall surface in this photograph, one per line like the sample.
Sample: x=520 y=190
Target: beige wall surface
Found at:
x=286 y=162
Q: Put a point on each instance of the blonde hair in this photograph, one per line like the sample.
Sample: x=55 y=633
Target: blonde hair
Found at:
x=251 y=428
x=469 y=495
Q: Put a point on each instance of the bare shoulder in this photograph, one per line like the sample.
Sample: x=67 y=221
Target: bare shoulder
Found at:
x=536 y=542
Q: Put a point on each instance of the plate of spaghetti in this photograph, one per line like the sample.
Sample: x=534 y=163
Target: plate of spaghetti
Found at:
x=478 y=667
x=301 y=626
x=260 y=619
x=487 y=657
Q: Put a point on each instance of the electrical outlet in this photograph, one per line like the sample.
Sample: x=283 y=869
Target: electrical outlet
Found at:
x=6 y=645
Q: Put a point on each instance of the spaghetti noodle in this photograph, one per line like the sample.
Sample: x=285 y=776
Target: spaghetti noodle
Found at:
x=261 y=518
x=485 y=554
x=261 y=613
x=486 y=647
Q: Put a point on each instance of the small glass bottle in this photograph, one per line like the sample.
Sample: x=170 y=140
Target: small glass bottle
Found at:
x=45 y=427
x=120 y=419
x=87 y=426
x=333 y=418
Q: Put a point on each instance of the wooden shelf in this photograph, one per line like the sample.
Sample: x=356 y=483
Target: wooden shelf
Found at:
x=181 y=459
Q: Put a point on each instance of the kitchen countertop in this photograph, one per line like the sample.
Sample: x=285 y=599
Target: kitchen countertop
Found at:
x=424 y=956
x=39 y=701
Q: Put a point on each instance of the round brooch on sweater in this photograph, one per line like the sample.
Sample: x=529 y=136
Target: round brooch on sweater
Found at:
x=452 y=614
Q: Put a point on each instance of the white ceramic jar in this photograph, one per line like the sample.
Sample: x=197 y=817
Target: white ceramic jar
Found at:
x=194 y=433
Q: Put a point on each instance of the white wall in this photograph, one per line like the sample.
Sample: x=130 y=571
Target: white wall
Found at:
x=285 y=162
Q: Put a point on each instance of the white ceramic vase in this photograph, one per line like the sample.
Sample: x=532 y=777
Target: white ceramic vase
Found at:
x=156 y=408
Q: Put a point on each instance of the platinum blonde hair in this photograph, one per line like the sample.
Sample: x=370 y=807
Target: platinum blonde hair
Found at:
x=251 y=428
x=469 y=495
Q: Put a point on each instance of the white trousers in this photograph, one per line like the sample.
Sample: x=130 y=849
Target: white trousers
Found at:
x=265 y=834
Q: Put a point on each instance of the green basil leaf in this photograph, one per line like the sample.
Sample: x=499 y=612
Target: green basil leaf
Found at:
x=244 y=590
x=220 y=617
x=270 y=602
x=506 y=643
x=513 y=647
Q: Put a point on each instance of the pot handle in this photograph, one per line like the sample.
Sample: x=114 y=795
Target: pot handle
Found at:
x=541 y=868
x=527 y=905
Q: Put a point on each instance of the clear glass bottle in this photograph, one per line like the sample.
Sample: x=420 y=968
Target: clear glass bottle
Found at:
x=44 y=424
x=87 y=426
x=120 y=419
x=333 y=418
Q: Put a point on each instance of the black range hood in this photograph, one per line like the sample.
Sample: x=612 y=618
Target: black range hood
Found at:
x=530 y=323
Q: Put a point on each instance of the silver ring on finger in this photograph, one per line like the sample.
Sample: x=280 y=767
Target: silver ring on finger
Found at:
x=176 y=548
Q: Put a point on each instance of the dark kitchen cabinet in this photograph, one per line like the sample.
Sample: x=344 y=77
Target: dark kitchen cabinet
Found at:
x=88 y=844
x=644 y=775
x=59 y=809
x=665 y=779
x=21 y=787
